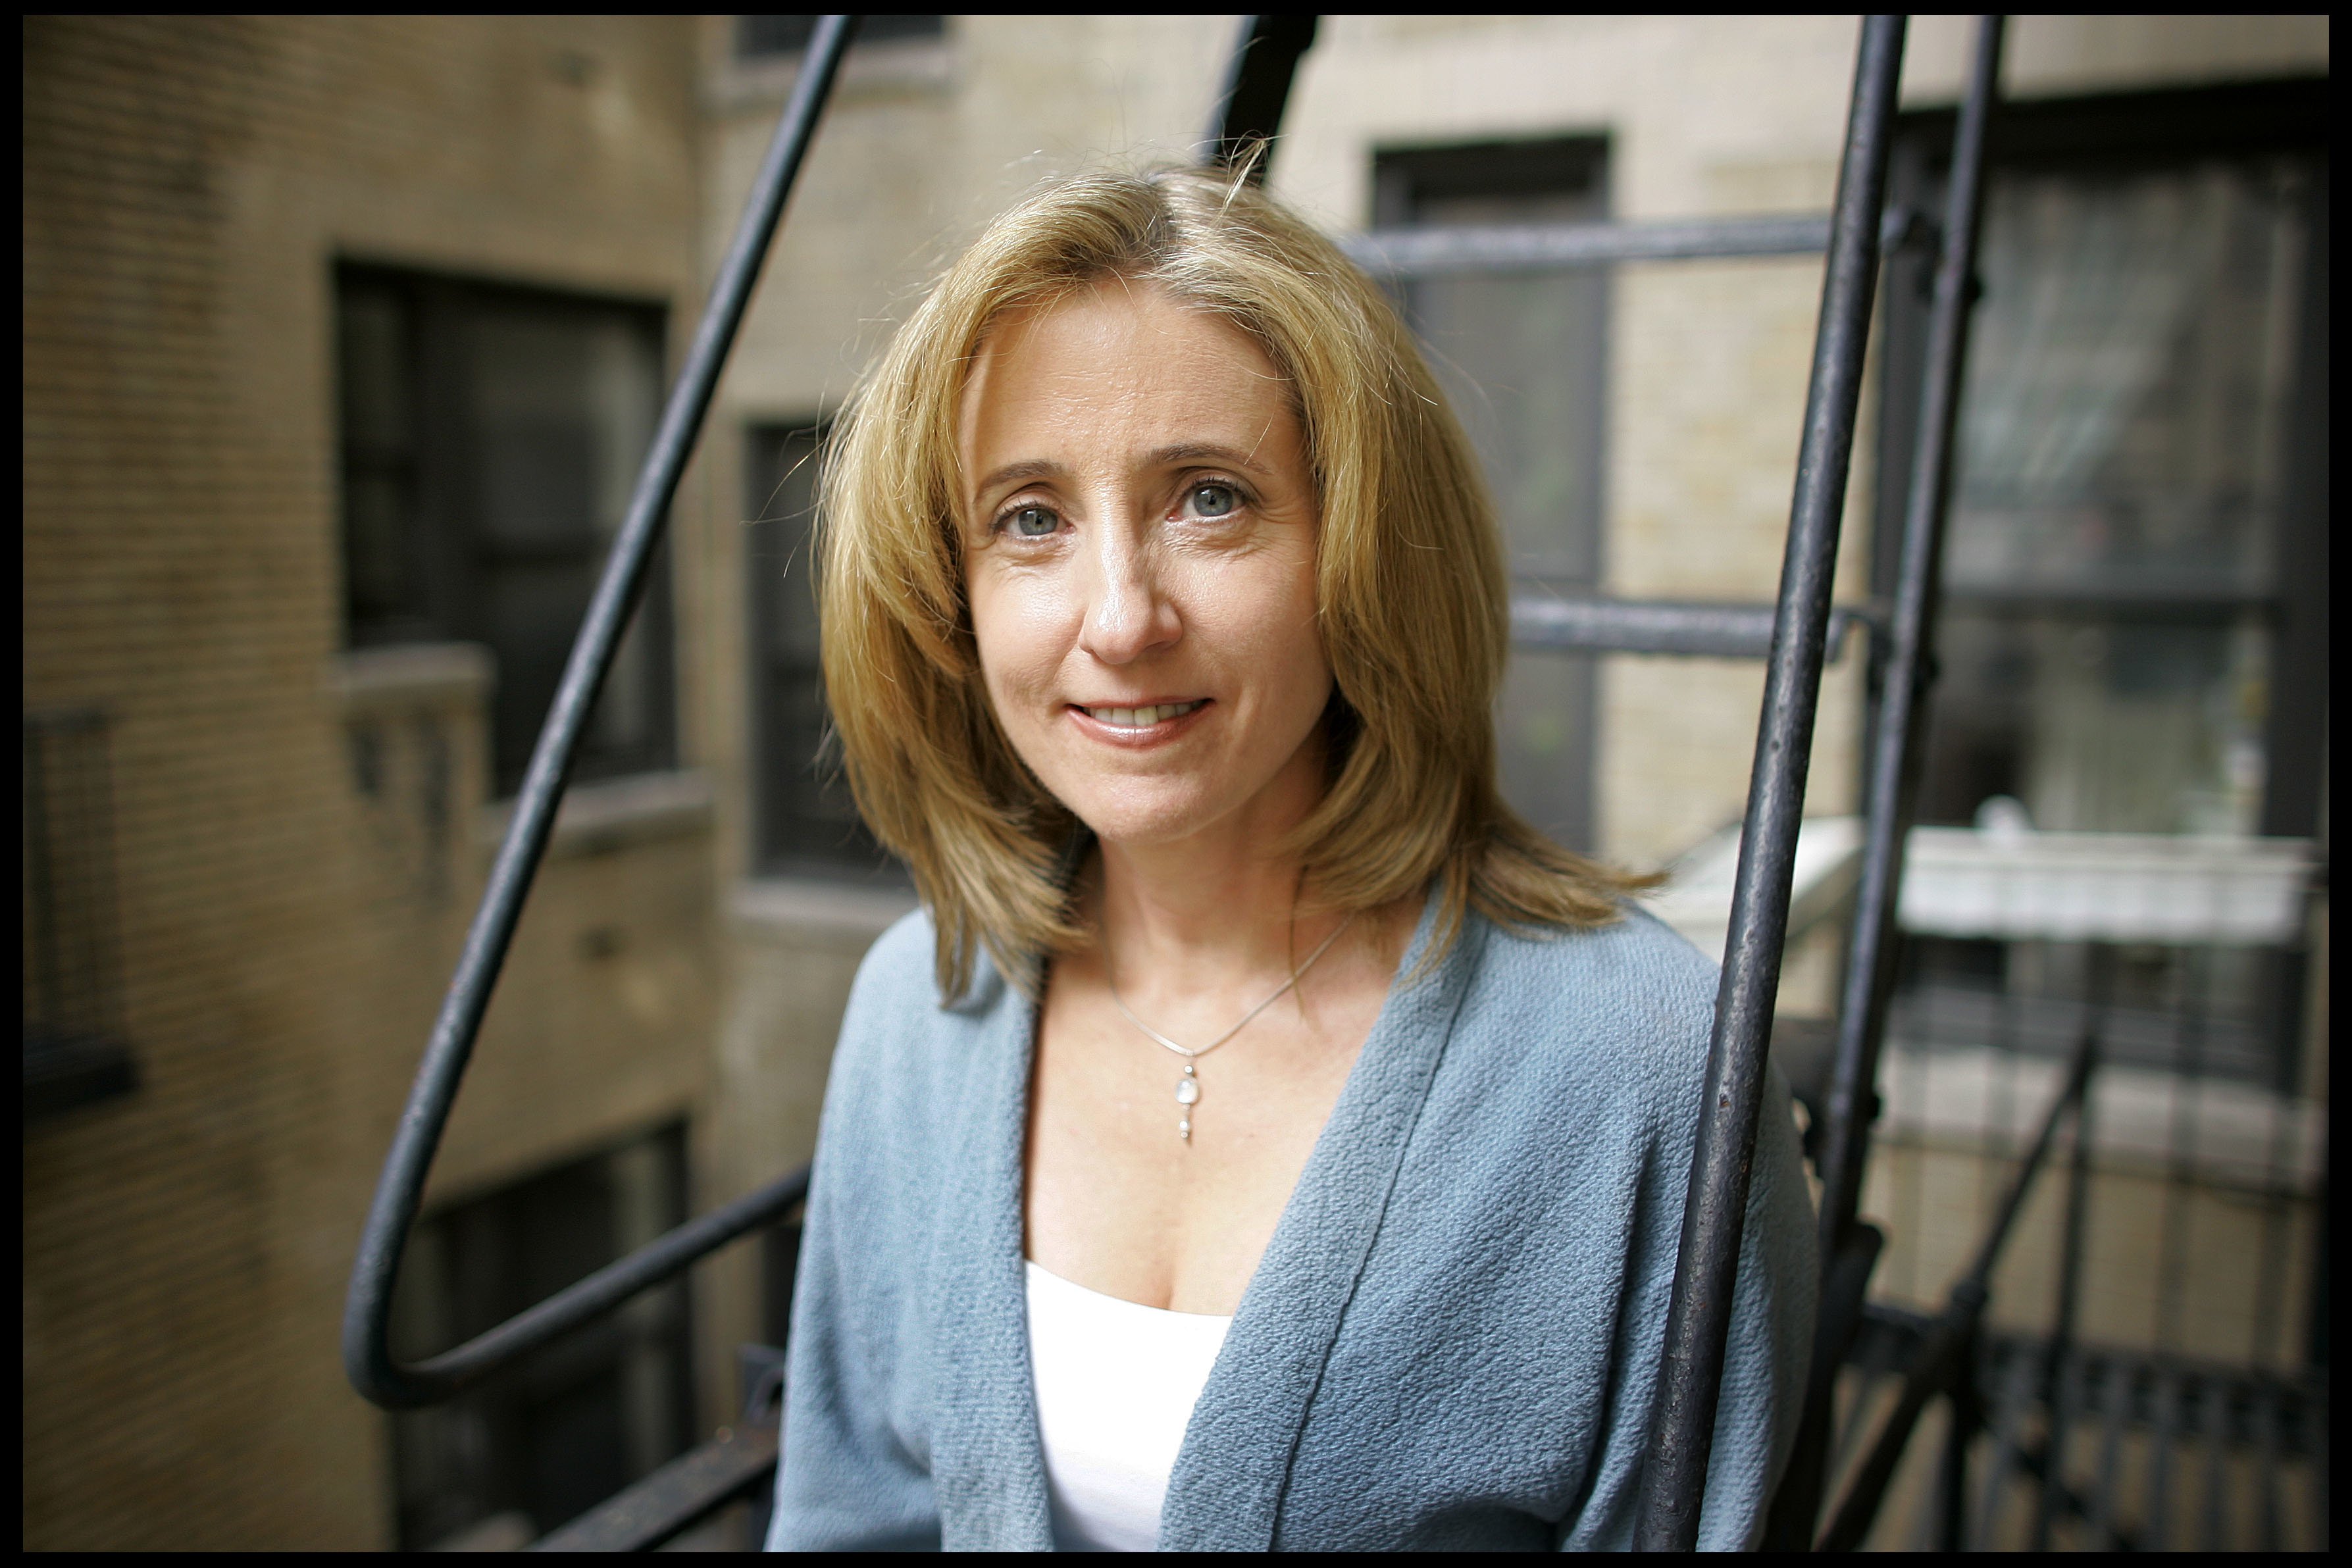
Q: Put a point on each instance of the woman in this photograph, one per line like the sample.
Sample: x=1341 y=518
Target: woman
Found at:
x=1262 y=1138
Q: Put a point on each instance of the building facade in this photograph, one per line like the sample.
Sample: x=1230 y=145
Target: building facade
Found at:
x=342 y=340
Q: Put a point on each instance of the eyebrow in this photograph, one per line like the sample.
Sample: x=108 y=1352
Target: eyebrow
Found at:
x=1162 y=457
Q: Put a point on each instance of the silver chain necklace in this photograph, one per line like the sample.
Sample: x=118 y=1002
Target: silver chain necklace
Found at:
x=1188 y=1087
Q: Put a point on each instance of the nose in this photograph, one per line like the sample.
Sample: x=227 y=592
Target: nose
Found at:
x=1130 y=615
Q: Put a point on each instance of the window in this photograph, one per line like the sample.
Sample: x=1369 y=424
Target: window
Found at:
x=2132 y=483
x=74 y=1050
x=491 y=438
x=759 y=36
x=2133 y=636
x=546 y=1439
x=1523 y=360
x=806 y=822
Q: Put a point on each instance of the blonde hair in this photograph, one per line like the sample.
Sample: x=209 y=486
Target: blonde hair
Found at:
x=1409 y=585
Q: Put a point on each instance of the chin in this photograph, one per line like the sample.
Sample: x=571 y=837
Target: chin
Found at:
x=1143 y=818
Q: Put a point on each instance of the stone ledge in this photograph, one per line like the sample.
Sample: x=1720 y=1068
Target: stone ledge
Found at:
x=833 y=914
x=415 y=675
x=596 y=818
x=733 y=86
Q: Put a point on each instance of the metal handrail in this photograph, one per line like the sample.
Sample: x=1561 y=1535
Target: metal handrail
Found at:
x=678 y=1496
x=367 y=1353
x=1698 y=1318
x=1456 y=249
x=1255 y=89
x=1691 y=629
x=1892 y=787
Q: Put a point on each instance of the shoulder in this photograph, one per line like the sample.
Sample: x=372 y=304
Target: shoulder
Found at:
x=903 y=1049
x=1623 y=1011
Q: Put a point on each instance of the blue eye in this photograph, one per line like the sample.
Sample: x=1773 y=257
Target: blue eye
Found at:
x=1214 y=500
x=1032 y=522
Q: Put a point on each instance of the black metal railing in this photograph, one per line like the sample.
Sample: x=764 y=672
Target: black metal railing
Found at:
x=1903 y=675
x=2052 y=1436
x=367 y=1355
x=1714 y=1211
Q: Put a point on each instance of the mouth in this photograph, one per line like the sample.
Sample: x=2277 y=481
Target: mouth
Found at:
x=1148 y=720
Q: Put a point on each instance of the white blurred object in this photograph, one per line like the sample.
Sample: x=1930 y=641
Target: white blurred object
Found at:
x=2003 y=817
x=2004 y=882
x=1697 y=901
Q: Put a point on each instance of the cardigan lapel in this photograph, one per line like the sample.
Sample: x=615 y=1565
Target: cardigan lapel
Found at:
x=988 y=1465
x=1226 y=1491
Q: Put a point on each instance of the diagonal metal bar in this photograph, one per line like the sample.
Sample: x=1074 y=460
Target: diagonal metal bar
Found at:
x=1895 y=769
x=1256 y=87
x=1894 y=781
x=367 y=1355
x=1943 y=1362
x=1681 y=1427
x=675 y=1498
x=2057 y=1354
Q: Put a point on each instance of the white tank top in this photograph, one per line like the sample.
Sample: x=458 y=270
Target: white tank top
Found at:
x=1116 y=1386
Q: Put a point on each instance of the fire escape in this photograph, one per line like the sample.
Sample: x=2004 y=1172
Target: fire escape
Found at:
x=2039 y=1423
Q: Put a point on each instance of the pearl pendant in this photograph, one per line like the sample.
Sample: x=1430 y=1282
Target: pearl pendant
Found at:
x=1188 y=1094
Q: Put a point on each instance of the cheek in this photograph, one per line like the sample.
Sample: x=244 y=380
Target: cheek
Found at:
x=1265 y=622
x=1021 y=631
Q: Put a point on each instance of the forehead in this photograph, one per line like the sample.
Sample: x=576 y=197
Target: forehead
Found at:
x=1119 y=359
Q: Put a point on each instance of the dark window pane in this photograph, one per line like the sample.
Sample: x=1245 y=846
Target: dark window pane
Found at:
x=568 y=1428
x=807 y=820
x=491 y=440
x=75 y=1053
x=1522 y=361
x=2115 y=519
x=2109 y=649
x=2126 y=385
x=385 y=584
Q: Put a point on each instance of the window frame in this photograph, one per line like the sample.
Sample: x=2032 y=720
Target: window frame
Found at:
x=2150 y=130
x=860 y=860
x=1406 y=178
x=2154 y=130
x=448 y=545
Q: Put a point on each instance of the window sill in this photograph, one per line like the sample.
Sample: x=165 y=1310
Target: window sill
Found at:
x=419 y=674
x=1698 y=901
x=921 y=65
x=810 y=909
x=597 y=819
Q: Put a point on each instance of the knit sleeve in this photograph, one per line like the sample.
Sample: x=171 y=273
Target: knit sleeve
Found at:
x=1765 y=1358
x=853 y=1474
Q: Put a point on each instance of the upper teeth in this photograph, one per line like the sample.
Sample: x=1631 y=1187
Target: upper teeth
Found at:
x=1139 y=717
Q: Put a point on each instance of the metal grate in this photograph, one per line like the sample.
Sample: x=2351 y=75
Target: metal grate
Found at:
x=1250 y=103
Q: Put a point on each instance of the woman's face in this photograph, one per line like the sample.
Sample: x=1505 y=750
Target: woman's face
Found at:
x=1139 y=528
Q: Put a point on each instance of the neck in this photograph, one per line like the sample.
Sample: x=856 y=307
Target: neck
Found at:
x=1232 y=918
x=1216 y=907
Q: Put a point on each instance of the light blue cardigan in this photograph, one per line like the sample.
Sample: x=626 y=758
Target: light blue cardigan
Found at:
x=1450 y=1341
